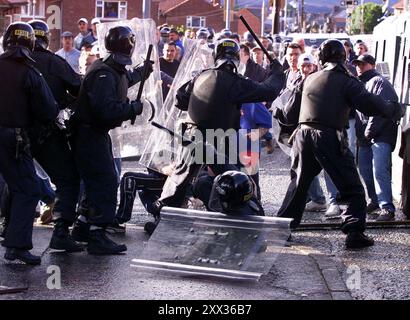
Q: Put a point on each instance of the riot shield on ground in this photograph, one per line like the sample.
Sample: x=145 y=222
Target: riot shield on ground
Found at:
x=160 y=148
x=200 y=243
x=129 y=140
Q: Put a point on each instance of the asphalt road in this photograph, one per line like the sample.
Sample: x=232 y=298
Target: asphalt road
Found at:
x=314 y=265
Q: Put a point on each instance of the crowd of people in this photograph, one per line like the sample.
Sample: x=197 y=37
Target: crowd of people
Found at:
x=334 y=98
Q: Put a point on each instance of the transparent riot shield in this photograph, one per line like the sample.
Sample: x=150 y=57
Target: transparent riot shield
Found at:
x=129 y=140
x=160 y=148
x=191 y=242
x=281 y=138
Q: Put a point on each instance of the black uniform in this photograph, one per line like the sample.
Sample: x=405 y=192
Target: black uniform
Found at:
x=50 y=145
x=25 y=97
x=321 y=142
x=213 y=100
x=102 y=106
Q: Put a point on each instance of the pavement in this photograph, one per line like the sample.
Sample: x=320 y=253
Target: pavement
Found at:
x=313 y=266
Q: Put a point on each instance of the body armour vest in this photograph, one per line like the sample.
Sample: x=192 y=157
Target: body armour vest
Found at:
x=84 y=113
x=324 y=101
x=15 y=105
x=44 y=63
x=209 y=105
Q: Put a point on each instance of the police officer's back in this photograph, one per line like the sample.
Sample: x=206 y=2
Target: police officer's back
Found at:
x=25 y=97
x=56 y=71
x=321 y=140
x=50 y=145
x=213 y=99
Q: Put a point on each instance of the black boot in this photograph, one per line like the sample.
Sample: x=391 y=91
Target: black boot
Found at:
x=99 y=243
x=81 y=231
x=149 y=227
x=62 y=240
x=22 y=255
x=357 y=239
x=3 y=229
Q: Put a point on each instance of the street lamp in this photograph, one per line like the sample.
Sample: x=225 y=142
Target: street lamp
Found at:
x=34 y=8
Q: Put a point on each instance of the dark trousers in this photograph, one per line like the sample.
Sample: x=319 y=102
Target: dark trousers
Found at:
x=95 y=163
x=149 y=187
x=57 y=160
x=2 y=191
x=313 y=150
x=24 y=190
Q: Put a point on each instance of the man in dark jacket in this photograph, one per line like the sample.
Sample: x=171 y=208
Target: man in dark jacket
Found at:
x=321 y=140
x=25 y=98
x=103 y=105
x=252 y=70
x=50 y=145
x=376 y=138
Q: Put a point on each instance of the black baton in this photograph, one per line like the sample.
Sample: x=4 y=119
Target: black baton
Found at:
x=256 y=38
x=144 y=75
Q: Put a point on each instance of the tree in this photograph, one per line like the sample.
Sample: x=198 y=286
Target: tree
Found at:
x=372 y=13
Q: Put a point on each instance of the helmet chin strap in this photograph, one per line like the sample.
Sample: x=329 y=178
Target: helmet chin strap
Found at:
x=233 y=63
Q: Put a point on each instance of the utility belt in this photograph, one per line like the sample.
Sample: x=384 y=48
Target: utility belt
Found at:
x=22 y=141
x=62 y=126
x=340 y=134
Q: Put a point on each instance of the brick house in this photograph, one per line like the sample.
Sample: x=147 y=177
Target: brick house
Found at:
x=62 y=15
x=194 y=14
x=191 y=14
x=252 y=15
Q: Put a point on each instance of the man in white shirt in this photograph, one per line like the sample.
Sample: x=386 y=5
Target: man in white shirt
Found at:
x=85 y=35
x=68 y=52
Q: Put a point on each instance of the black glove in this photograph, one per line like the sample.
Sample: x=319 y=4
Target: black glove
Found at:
x=139 y=70
x=275 y=67
x=136 y=110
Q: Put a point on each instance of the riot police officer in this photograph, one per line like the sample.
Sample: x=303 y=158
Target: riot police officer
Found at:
x=213 y=100
x=102 y=106
x=50 y=145
x=321 y=140
x=25 y=97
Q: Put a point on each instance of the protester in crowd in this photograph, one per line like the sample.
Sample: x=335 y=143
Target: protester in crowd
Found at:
x=68 y=52
x=85 y=35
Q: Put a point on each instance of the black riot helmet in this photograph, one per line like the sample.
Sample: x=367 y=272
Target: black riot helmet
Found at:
x=247 y=37
x=225 y=33
x=42 y=33
x=231 y=192
x=227 y=50
x=120 y=43
x=211 y=33
x=332 y=50
x=19 y=34
x=202 y=34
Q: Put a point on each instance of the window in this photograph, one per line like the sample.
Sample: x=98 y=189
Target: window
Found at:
x=34 y=9
x=195 y=22
x=111 y=9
